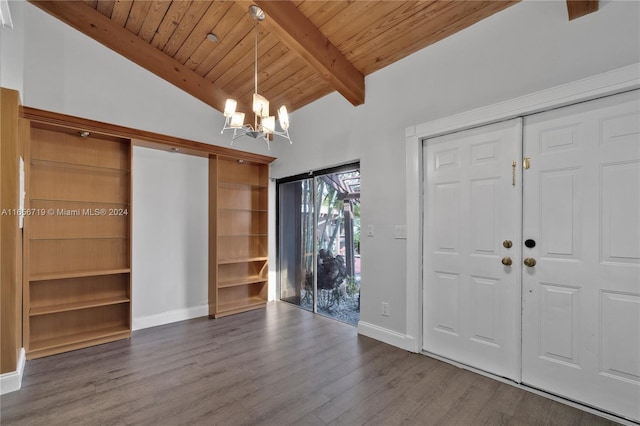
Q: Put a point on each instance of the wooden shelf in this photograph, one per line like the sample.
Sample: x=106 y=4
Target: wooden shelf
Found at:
x=241 y=185
x=234 y=209
x=106 y=203
x=242 y=235
x=52 y=309
x=241 y=281
x=240 y=306
x=78 y=274
x=76 y=166
x=246 y=260
x=76 y=238
x=38 y=348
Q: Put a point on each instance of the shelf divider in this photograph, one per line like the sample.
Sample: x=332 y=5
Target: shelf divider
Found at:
x=64 y=307
x=78 y=274
x=241 y=281
x=245 y=260
x=57 y=344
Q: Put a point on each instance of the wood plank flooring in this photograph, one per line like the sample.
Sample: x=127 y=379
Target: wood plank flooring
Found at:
x=276 y=366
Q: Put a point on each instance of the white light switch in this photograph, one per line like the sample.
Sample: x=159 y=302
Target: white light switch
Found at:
x=401 y=232
x=369 y=230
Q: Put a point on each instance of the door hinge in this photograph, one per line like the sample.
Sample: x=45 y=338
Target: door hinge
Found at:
x=513 y=173
x=526 y=163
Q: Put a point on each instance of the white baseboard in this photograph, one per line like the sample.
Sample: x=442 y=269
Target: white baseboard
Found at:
x=384 y=335
x=411 y=344
x=171 y=316
x=11 y=382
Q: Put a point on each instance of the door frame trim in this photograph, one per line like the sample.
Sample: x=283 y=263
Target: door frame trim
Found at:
x=605 y=84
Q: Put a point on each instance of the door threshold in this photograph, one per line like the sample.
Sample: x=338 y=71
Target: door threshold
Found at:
x=553 y=397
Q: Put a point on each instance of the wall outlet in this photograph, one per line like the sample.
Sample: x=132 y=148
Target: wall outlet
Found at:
x=385 y=309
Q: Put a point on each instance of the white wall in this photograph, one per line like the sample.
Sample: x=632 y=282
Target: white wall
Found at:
x=11 y=49
x=523 y=49
x=170 y=237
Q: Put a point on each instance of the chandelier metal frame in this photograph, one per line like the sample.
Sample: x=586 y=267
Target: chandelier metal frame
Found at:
x=264 y=125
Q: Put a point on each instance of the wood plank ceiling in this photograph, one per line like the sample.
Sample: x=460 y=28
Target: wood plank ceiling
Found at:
x=306 y=48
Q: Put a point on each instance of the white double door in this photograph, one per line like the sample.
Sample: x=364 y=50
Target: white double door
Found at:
x=569 y=323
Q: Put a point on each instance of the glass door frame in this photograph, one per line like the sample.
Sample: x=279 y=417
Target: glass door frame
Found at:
x=311 y=175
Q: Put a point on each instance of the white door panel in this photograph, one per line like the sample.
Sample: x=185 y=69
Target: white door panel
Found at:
x=471 y=300
x=570 y=324
x=581 y=301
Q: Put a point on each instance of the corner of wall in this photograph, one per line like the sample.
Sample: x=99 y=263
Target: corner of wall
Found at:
x=12 y=381
x=384 y=335
x=169 y=317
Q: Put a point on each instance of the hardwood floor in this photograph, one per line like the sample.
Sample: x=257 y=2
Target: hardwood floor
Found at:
x=276 y=366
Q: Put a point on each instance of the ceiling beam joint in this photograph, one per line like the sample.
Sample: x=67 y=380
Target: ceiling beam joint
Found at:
x=297 y=32
x=578 y=8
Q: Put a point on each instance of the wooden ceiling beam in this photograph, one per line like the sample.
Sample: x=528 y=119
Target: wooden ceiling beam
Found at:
x=295 y=30
x=87 y=20
x=578 y=8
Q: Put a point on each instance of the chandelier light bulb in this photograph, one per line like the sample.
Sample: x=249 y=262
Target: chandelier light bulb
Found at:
x=269 y=124
x=260 y=105
x=283 y=117
x=230 y=107
x=237 y=120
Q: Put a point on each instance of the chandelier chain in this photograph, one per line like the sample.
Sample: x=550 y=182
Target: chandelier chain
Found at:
x=255 y=68
x=255 y=58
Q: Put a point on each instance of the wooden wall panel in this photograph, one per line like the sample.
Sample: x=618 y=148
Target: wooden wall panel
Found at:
x=233 y=248
x=79 y=184
x=72 y=291
x=10 y=243
x=69 y=147
x=89 y=220
x=50 y=259
x=254 y=199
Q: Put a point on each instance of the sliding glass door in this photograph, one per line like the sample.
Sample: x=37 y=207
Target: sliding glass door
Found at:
x=318 y=242
x=295 y=242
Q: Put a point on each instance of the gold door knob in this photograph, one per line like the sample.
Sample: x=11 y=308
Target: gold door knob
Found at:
x=506 y=261
x=507 y=244
x=530 y=262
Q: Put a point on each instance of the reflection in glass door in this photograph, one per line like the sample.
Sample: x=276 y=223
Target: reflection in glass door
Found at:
x=295 y=242
x=319 y=240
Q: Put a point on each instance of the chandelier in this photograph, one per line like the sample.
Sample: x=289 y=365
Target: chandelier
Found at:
x=264 y=125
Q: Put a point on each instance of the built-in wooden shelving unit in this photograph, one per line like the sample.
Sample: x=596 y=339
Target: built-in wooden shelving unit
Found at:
x=77 y=235
x=77 y=241
x=238 y=236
